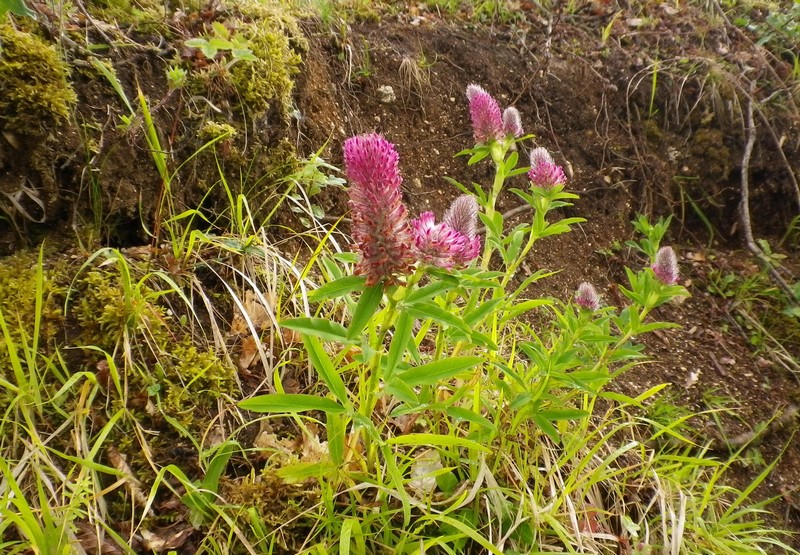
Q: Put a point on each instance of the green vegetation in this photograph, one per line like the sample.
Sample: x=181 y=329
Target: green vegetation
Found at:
x=240 y=390
x=35 y=93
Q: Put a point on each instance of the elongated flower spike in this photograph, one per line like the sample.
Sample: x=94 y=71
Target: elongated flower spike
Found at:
x=512 y=122
x=665 y=266
x=454 y=241
x=586 y=297
x=544 y=172
x=487 y=120
x=380 y=226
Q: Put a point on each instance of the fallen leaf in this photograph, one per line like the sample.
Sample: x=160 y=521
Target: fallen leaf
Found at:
x=256 y=313
x=425 y=465
x=249 y=352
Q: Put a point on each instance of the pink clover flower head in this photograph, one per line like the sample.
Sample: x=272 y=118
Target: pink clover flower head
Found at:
x=441 y=245
x=372 y=160
x=665 y=266
x=587 y=297
x=544 y=172
x=512 y=122
x=540 y=155
x=487 y=120
x=380 y=227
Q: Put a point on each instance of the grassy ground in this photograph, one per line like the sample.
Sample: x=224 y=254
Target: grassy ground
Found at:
x=229 y=385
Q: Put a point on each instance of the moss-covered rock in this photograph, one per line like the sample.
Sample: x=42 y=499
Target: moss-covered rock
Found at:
x=35 y=93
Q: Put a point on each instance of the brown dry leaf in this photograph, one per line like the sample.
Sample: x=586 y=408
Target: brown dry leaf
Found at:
x=268 y=440
x=257 y=313
x=166 y=539
x=249 y=352
x=313 y=450
x=291 y=337
x=92 y=543
x=134 y=485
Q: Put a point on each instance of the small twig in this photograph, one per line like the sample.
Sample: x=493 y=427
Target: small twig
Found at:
x=763 y=430
x=744 y=206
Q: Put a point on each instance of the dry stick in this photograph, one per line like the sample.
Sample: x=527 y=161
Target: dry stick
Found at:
x=744 y=206
x=760 y=432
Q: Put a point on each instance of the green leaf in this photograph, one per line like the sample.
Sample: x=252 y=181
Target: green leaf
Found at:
x=433 y=372
x=337 y=288
x=547 y=427
x=439 y=440
x=426 y=293
x=563 y=414
x=17 y=7
x=403 y=329
x=467 y=415
x=324 y=366
x=336 y=428
x=367 y=304
x=290 y=402
x=317 y=327
x=403 y=392
x=438 y=315
x=301 y=472
x=217 y=465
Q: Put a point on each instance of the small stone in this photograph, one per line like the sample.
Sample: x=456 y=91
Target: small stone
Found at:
x=386 y=93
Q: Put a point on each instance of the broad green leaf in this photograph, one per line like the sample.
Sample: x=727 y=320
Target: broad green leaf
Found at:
x=563 y=414
x=402 y=391
x=438 y=315
x=301 y=472
x=367 y=304
x=470 y=416
x=317 y=327
x=439 y=370
x=290 y=402
x=403 y=329
x=324 y=366
x=218 y=464
x=17 y=7
x=336 y=428
x=337 y=288
x=547 y=427
x=439 y=440
x=427 y=292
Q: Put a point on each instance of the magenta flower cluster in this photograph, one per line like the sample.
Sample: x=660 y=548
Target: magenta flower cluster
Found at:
x=380 y=226
x=665 y=266
x=544 y=172
x=488 y=122
x=454 y=241
x=389 y=244
x=586 y=297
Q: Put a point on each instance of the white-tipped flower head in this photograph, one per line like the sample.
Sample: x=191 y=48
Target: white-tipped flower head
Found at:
x=463 y=215
x=512 y=122
x=441 y=245
x=665 y=266
x=587 y=297
x=484 y=111
x=544 y=172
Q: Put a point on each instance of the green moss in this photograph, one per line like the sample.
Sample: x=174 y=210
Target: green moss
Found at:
x=193 y=382
x=213 y=129
x=275 y=39
x=142 y=14
x=34 y=90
